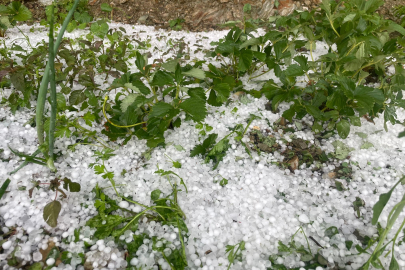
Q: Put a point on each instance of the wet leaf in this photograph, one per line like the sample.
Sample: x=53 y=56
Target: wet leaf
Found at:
x=51 y=213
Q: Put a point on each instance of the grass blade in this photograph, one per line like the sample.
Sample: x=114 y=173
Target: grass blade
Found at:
x=4 y=187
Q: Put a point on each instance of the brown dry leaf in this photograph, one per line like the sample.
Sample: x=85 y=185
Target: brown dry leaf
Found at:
x=256 y=128
x=293 y=163
x=46 y=252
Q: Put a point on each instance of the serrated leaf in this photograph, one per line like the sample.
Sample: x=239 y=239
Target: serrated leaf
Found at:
x=20 y=12
x=51 y=213
x=250 y=42
x=106 y=7
x=160 y=109
x=293 y=71
x=127 y=101
x=162 y=78
x=196 y=73
x=170 y=65
x=245 y=60
x=343 y=128
x=195 y=106
x=303 y=61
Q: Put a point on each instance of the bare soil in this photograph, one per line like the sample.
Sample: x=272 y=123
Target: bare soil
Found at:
x=199 y=15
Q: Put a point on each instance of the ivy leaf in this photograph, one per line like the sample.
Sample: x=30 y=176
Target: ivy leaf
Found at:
x=343 y=128
x=51 y=213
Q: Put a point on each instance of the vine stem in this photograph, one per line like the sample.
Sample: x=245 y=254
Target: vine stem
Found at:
x=109 y=121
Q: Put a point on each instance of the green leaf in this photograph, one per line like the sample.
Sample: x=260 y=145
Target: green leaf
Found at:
x=341 y=150
x=170 y=65
x=245 y=60
x=303 y=61
x=140 y=62
x=106 y=7
x=366 y=145
x=355 y=121
x=362 y=135
x=393 y=264
x=162 y=78
x=294 y=70
x=76 y=97
x=19 y=12
x=382 y=202
x=343 y=128
x=71 y=186
x=250 y=42
x=160 y=109
x=196 y=73
x=127 y=101
x=51 y=213
x=4 y=187
x=155 y=195
x=195 y=106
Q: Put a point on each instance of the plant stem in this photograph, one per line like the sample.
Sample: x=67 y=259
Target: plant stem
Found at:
x=52 y=123
x=45 y=79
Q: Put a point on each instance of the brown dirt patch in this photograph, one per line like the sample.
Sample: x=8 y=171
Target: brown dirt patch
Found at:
x=199 y=15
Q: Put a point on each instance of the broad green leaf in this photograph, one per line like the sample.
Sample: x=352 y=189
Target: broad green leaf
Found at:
x=343 y=128
x=250 y=42
x=303 y=61
x=155 y=195
x=349 y=17
x=223 y=91
x=140 y=86
x=127 y=101
x=341 y=150
x=20 y=12
x=195 y=105
x=162 y=78
x=196 y=73
x=76 y=97
x=389 y=115
x=51 y=213
x=245 y=60
x=140 y=62
x=362 y=135
x=71 y=186
x=160 y=109
x=366 y=145
x=355 y=121
x=170 y=65
x=293 y=71
x=106 y=7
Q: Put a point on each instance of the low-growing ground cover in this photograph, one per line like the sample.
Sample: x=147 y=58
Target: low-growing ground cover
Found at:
x=240 y=149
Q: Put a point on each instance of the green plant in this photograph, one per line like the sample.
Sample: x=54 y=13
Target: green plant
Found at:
x=3 y=187
x=52 y=209
x=392 y=217
x=11 y=14
x=149 y=116
x=335 y=93
x=235 y=252
x=176 y=24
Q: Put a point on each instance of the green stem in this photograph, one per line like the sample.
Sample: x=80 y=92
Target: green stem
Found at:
x=52 y=123
x=45 y=79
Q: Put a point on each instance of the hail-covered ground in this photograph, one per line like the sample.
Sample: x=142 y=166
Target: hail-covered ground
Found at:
x=261 y=204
